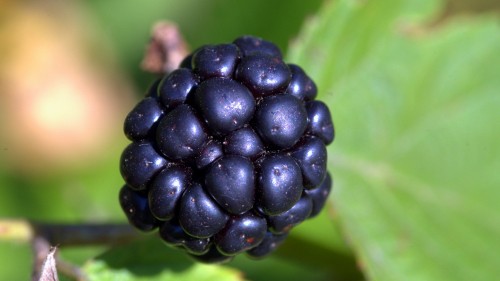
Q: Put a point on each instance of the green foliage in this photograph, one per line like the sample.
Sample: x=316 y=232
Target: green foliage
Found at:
x=416 y=111
x=149 y=260
x=201 y=22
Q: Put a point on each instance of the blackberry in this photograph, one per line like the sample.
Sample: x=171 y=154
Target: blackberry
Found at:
x=140 y=122
x=244 y=142
x=135 y=205
x=319 y=195
x=279 y=185
x=270 y=242
x=250 y=44
x=228 y=152
x=301 y=86
x=139 y=162
x=299 y=212
x=241 y=233
x=226 y=104
x=166 y=190
x=262 y=74
x=320 y=121
x=232 y=175
x=208 y=154
x=281 y=120
x=173 y=89
x=215 y=60
x=172 y=234
x=199 y=215
x=181 y=133
x=311 y=157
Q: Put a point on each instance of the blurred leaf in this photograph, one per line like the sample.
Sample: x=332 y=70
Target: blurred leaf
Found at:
x=150 y=260
x=415 y=161
x=16 y=254
x=201 y=22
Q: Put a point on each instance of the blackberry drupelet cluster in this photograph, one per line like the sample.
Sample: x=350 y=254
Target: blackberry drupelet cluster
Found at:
x=228 y=152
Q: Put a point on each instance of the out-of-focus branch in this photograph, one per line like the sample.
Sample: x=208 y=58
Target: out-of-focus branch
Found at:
x=85 y=234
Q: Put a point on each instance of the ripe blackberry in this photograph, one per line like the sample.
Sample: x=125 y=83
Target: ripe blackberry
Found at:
x=226 y=104
x=281 y=120
x=174 y=88
x=262 y=74
x=228 y=152
x=232 y=175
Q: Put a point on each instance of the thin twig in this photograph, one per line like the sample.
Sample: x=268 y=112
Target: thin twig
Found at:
x=71 y=270
x=85 y=234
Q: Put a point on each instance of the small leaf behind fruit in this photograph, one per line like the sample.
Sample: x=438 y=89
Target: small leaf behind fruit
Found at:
x=149 y=259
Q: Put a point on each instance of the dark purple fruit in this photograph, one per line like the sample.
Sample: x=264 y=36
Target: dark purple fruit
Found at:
x=228 y=152
x=173 y=235
x=198 y=246
x=268 y=245
x=301 y=86
x=140 y=122
x=186 y=62
x=230 y=180
x=135 y=206
x=320 y=121
x=240 y=234
x=176 y=86
x=310 y=154
x=215 y=60
x=180 y=133
x=213 y=256
x=283 y=222
x=279 y=184
x=263 y=75
x=280 y=120
x=199 y=215
x=166 y=190
x=139 y=163
x=249 y=45
x=226 y=104
x=208 y=154
x=244 y=142
x=152 y=91
x=319 y=195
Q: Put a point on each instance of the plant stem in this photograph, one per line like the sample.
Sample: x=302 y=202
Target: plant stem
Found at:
x=66 y=234
x=85 y=234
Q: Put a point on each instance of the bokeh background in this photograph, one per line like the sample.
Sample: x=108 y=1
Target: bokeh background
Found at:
x=69 y=74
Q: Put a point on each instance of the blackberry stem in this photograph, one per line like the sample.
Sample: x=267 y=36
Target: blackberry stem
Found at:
x=66 y=234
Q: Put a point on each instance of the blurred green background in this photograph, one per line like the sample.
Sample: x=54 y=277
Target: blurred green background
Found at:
x=70 y=72
x=80 y=184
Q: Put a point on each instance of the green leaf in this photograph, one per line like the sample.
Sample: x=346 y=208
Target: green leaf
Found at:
x=150 y=260
x=415 y=161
